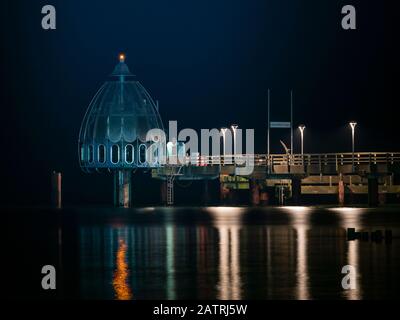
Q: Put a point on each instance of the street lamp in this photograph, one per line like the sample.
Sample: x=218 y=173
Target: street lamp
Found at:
x=234 y=127
x=223 y=130
x=301 y=128
x=353 y=126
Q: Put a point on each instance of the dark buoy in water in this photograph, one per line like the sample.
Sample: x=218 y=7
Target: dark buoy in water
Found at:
x=351 y=234
x=376 y=236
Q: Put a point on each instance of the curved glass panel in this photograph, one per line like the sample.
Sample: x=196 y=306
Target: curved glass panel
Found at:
x=120 y=111
x=129 y=153
x=115 y=153
x=82 y=152
x=142 y=153
x=101 y=153
x=91 y=154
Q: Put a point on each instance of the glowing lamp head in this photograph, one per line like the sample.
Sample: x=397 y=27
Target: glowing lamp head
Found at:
x=353 y=124
x=234 y=127
x=223 y=130
x=302 y=127
x=121 y=57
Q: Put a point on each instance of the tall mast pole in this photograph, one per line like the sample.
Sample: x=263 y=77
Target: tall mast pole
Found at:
x=268 y=110
x=291 y=122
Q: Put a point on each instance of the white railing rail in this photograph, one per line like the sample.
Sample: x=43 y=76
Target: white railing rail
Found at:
x=324 y=159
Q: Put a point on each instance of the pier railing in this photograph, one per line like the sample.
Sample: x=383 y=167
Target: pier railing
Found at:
x=326 y=159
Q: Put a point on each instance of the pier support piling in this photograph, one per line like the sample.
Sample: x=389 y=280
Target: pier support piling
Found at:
x=254 y=192
x=123 y=188
x=206 y=195
x=264 y=198
x=296 y=191
x=341 y=192
x=373 y=199
x=223 y=192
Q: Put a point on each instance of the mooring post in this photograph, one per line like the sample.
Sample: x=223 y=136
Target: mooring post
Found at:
x=56 y=189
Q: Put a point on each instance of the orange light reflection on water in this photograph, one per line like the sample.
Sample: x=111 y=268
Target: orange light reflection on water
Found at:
x=121 y=273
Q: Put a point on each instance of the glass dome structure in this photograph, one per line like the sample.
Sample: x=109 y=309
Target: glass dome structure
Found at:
x=114 y=128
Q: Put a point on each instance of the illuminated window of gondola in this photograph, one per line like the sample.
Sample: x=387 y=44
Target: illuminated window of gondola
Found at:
x=82 y=152
x=91 y=154
x=142 y=153
x=115 y=153
x=101 y=153
x=155 y=156
x=129 y=153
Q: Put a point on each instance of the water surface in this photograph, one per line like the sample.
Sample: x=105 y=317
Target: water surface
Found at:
x=205 y=253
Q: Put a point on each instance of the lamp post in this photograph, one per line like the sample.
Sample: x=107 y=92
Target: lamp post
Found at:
x=234 y=127
x=353 y=126
x=301 y=128
x=223 y=130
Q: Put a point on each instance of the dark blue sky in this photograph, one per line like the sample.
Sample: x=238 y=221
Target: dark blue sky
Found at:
x=208 y=62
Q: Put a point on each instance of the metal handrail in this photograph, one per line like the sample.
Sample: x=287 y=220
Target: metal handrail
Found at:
x=325 y=159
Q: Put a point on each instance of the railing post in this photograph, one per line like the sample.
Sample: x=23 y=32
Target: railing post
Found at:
x=271 y=163
x=336 y=163
x=319 y=163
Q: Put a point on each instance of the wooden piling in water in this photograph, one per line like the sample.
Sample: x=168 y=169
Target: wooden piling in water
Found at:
x=56 y=189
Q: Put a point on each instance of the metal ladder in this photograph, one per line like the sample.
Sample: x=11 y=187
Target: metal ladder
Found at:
x=170 y=190
x=170 y=185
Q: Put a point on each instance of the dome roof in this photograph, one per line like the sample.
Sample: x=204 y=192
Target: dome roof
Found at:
x=121 y=112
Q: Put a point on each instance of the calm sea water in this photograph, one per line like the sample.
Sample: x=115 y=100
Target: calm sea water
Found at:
x=203 y=253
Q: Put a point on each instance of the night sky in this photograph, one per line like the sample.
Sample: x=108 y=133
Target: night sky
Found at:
x=209 y=63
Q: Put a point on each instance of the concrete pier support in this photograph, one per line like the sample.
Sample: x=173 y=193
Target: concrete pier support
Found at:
x=254 y=192
x=123 y=188
x=373 y=194
x=56 y=189
x=296 y=191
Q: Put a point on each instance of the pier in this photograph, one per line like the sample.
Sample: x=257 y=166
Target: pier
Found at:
x=374 y=174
